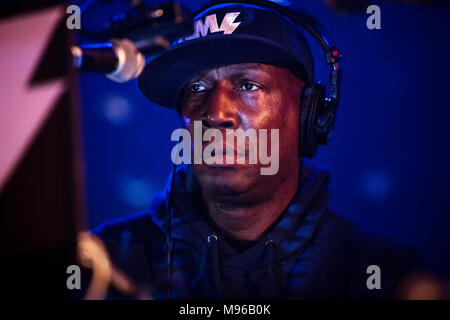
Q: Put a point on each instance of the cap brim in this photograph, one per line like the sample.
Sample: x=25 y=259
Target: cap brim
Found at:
x=164 y=77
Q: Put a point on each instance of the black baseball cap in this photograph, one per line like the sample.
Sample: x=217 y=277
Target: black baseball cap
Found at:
x=227 y=34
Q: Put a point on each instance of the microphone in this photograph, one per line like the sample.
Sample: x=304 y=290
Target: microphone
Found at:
x=119 y=59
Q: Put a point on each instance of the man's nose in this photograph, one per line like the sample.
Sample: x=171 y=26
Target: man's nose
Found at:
x=220 y=110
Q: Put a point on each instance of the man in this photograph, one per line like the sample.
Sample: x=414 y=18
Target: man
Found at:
x=233 y=231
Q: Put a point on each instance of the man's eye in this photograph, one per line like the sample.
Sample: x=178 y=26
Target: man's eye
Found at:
x=249 y=86
x=197 y=87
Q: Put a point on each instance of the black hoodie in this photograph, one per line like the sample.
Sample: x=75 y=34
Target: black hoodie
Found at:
x=310 y=253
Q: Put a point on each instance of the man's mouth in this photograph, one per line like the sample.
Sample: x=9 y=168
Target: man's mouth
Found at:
x=228 y=157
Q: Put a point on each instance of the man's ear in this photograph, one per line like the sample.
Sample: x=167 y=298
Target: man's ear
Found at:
x=298 y=85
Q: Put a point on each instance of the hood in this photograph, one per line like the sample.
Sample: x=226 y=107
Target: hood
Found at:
x=291 y=234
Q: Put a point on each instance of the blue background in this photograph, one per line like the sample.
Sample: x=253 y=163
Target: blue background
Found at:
x=390 y=154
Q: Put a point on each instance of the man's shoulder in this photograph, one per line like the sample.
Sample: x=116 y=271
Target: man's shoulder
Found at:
x=132 y=239
x=359 y=251
x=139 y=225
x=358 y=236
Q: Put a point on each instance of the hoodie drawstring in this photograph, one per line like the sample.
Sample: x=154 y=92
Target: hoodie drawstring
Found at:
x=213 y=244
x=212 y=240
x=270 y=245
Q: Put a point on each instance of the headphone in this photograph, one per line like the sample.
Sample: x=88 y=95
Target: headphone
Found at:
x=317 y=111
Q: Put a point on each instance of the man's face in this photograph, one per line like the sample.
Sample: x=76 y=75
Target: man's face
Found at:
x=245 y=96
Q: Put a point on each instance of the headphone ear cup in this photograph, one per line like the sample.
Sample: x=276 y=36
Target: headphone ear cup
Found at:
x=312 y=104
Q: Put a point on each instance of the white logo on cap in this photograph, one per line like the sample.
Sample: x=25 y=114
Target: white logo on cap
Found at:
x=201 y=29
